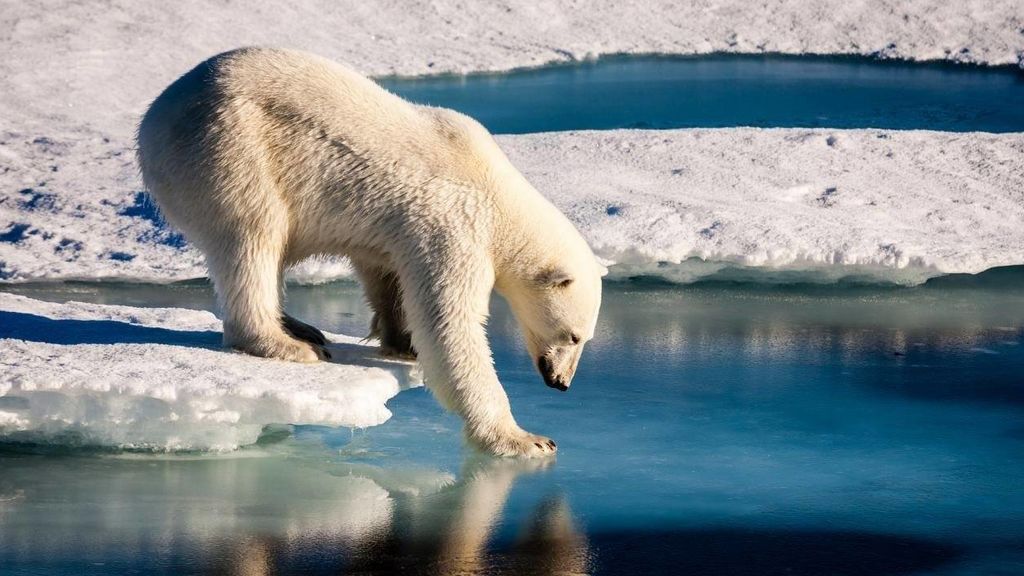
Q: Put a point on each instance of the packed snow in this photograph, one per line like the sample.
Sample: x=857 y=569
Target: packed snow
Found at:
x=787 y=204
x=64 y=59
x=157 y=379
x=76 y=76
x=898 y=206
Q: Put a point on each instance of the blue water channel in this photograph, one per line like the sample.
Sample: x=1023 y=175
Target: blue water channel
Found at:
x=712 y=429
x=732 y=90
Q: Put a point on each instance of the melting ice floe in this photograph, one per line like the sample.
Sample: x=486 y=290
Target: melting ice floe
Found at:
x=777 y=204
x=158 y=379
x=72 y=88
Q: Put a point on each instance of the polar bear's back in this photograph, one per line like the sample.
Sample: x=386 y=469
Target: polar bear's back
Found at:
x=260 y=90
x=298 y=109
x=301 y=88
x=266 y=139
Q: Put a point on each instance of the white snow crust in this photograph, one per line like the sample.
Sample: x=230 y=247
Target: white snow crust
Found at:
x=157 y=379
x=785 y=204
x=76 y=76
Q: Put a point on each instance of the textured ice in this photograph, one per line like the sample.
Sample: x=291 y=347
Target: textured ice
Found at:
x=786 y=204
x=156 y=378
x=72 y=87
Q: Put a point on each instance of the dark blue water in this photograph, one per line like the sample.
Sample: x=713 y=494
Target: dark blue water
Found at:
x=728 y=90
x=712 y=429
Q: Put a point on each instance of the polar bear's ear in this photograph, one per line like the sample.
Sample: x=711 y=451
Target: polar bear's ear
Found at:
x=554 y=278
x=604 y=271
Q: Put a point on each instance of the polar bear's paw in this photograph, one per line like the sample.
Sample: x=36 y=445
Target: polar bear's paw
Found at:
x=397 y=353
x=286 y=348
x=303 y=331
x=518 y=444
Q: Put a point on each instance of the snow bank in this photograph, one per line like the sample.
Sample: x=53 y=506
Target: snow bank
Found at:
x=156 y=378
x=786 y=204
x=76 y=76
x=102 y=62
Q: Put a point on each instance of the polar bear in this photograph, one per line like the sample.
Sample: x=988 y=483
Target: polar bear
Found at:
x=264 y=157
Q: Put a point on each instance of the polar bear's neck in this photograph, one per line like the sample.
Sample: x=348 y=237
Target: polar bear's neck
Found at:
x=529 y=233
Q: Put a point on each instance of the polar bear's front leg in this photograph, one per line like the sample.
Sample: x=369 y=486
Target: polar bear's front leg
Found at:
x=446 y=304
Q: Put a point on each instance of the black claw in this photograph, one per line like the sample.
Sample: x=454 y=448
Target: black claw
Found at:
x=552 y=443
x=303 y=331
x=537 y=444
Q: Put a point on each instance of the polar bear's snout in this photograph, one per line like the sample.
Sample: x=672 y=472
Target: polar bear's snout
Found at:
x=558 y=365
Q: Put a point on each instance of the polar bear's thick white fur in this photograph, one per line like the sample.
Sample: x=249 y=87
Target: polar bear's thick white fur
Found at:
x=264 y=157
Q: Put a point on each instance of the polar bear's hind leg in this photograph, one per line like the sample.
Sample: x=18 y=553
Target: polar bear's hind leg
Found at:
x=384 y=296
x=247 y=269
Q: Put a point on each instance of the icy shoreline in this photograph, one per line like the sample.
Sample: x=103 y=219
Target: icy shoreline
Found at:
x=157 y=379
x=808 y=205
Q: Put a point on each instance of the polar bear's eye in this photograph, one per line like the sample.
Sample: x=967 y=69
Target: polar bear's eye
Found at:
x=564 y=283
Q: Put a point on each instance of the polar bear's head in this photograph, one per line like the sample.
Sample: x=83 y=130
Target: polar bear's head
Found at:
x=557 y=307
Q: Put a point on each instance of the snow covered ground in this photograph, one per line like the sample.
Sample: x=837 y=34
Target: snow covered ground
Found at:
x=77 y=75
x=156 y=378
x=787 y=204
x=681 y=204
x=102 y=61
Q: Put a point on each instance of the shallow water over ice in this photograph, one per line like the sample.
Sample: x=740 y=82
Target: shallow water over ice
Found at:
x=732 y=90
x=716 y=429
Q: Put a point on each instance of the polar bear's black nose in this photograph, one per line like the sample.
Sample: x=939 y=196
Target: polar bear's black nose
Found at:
x=548 y=372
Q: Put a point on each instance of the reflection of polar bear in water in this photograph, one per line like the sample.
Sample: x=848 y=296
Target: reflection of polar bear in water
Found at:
x=447 y=531
x=266 y=157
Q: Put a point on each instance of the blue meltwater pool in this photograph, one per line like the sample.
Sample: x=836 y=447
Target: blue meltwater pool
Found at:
x=731 y=90
x=711 y=429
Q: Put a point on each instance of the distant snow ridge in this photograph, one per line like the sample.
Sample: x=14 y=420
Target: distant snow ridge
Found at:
x=156 y=379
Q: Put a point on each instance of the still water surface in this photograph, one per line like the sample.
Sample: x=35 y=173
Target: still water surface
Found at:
x=732 y=90
x=712 y=429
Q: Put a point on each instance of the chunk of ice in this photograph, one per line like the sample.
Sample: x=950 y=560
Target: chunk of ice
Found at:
x=157 y=379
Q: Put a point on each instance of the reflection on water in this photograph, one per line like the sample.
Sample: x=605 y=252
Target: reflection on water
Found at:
x=715 y=429
x=451 y=533
x=270 y=510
